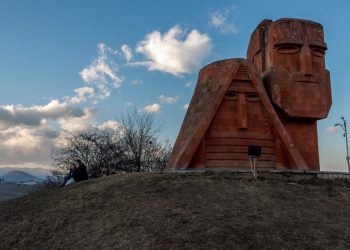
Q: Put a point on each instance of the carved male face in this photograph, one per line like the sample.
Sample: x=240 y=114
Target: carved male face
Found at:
x=298 y=47
x=295 y=77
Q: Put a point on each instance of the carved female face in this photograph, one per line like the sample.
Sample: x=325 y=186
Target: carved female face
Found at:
x=240 y=113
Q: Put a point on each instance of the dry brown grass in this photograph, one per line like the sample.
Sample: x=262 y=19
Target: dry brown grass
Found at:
x=181 y=211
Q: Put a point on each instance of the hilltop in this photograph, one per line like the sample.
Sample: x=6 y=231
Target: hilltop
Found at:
x=19 y=176
x=38 y=172
x=191 y=211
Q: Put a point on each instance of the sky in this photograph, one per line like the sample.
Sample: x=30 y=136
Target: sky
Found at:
x=67 y=66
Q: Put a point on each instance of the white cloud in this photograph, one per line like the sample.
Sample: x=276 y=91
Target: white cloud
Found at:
x=331 y=130
x=23 y=139
x=224 y=21
x=82 y=95
x=28 y=133
x=136 y=82
x=102 y=72
x=127 y=52
x=22 y=144
x=104 y=49
x=84 y=91
x=73 y=125
x=153 y=108
x=168 y=99
x=188 y=84
x=99 y=71
x=110 y=124
x=216 y=19
x=169 y=53
x=185 y=107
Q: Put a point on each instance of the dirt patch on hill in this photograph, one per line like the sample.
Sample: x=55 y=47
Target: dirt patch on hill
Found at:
x=190 y=211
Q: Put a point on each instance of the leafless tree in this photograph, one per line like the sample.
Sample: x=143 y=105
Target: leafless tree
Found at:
x=134 y=146
x=142 y=149
x=98 y=149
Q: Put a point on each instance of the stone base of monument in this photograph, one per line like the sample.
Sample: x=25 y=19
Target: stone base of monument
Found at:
x=271 y=173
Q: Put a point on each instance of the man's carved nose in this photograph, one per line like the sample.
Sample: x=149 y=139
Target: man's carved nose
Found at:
x=306 y=60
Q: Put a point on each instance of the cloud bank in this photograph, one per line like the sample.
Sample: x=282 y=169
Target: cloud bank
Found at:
x=13 y=115
x=28 y=133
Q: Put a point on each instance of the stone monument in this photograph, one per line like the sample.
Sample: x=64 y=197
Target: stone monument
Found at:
x=290 y=53
x=272 y=100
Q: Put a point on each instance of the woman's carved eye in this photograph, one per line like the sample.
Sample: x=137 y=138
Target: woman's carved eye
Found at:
x=287 y=48
x=252 y=97
x=318 y=51
x=230 y=95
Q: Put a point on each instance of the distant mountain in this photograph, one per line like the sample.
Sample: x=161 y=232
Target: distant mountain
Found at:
x=37 y=172
x=19 y=176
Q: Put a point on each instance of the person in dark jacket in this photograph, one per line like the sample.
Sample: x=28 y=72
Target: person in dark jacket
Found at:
x=76 y=173
x=81 y=173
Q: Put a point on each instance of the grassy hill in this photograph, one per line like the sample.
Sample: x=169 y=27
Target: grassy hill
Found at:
x=12 y=190
x=191 y=211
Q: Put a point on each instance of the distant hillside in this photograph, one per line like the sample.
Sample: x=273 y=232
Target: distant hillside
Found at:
x=19 y=176
x=181 y=211
x=37 y=172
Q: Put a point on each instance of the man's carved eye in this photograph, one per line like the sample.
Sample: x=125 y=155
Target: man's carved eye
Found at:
x=287 y=48
x=252 y=97
x=231 y=95
x=318 y=51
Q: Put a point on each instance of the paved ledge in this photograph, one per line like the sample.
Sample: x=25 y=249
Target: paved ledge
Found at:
x=292 y=174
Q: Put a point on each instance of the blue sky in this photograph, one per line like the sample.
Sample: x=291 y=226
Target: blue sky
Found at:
x=71 y=65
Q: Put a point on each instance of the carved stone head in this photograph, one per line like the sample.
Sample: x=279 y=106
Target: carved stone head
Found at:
x=291 y=55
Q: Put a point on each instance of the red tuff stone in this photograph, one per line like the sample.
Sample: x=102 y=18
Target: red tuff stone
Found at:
x=290 y=54
x=229 y=111
x=271 y=100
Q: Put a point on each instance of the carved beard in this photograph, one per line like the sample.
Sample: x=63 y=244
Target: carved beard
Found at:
x=297 y=95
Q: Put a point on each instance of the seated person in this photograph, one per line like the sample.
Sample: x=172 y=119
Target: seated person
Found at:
x=81 y=173
x=76 y=173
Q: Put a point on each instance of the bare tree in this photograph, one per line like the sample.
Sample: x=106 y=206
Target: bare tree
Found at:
x=142 y=149
x=134 y=146
x=99 y=150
